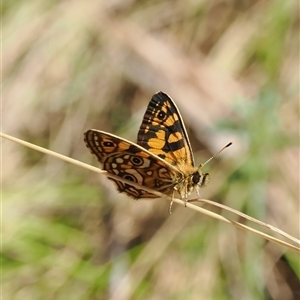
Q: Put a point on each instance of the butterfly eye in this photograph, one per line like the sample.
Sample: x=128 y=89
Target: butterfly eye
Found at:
x=196 y=177
x=137 y=161
x=161 y=115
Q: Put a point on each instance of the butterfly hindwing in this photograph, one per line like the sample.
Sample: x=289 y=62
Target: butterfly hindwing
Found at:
x=131 y=162
x=163 y=133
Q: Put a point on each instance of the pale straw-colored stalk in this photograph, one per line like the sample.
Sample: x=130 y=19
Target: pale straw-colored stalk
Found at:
x=178 y=201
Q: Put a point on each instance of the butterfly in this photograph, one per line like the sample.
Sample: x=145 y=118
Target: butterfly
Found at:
x=162 y=159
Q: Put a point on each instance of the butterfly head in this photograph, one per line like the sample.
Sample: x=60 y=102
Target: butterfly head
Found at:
x=199 y=178
x=192 y=180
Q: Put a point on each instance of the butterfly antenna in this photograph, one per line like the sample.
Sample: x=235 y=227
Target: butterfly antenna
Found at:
x=201 y=165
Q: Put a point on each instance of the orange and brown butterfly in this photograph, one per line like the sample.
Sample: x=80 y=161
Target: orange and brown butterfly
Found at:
x=161 y=160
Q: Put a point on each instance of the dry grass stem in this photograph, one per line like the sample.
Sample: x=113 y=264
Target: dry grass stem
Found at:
x=178 y=201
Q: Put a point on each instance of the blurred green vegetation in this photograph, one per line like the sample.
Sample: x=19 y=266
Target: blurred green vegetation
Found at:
x=233 y=69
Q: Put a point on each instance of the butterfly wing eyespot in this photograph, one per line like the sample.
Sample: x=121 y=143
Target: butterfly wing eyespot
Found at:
x=161 y=115
x=108 y=144
x=130 y=177
x=137 y=161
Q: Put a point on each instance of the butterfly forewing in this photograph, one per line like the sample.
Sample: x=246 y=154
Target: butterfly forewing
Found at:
x=131 y=162
x=163 y=133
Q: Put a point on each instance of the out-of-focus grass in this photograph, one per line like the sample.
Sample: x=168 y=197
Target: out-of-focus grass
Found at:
x=232 y=68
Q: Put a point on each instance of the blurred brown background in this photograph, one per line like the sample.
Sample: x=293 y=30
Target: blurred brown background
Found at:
x=232 y=67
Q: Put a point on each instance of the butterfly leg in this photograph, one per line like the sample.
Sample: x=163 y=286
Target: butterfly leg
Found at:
x=197 y=191
x=185 y=196
x=171 y=203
